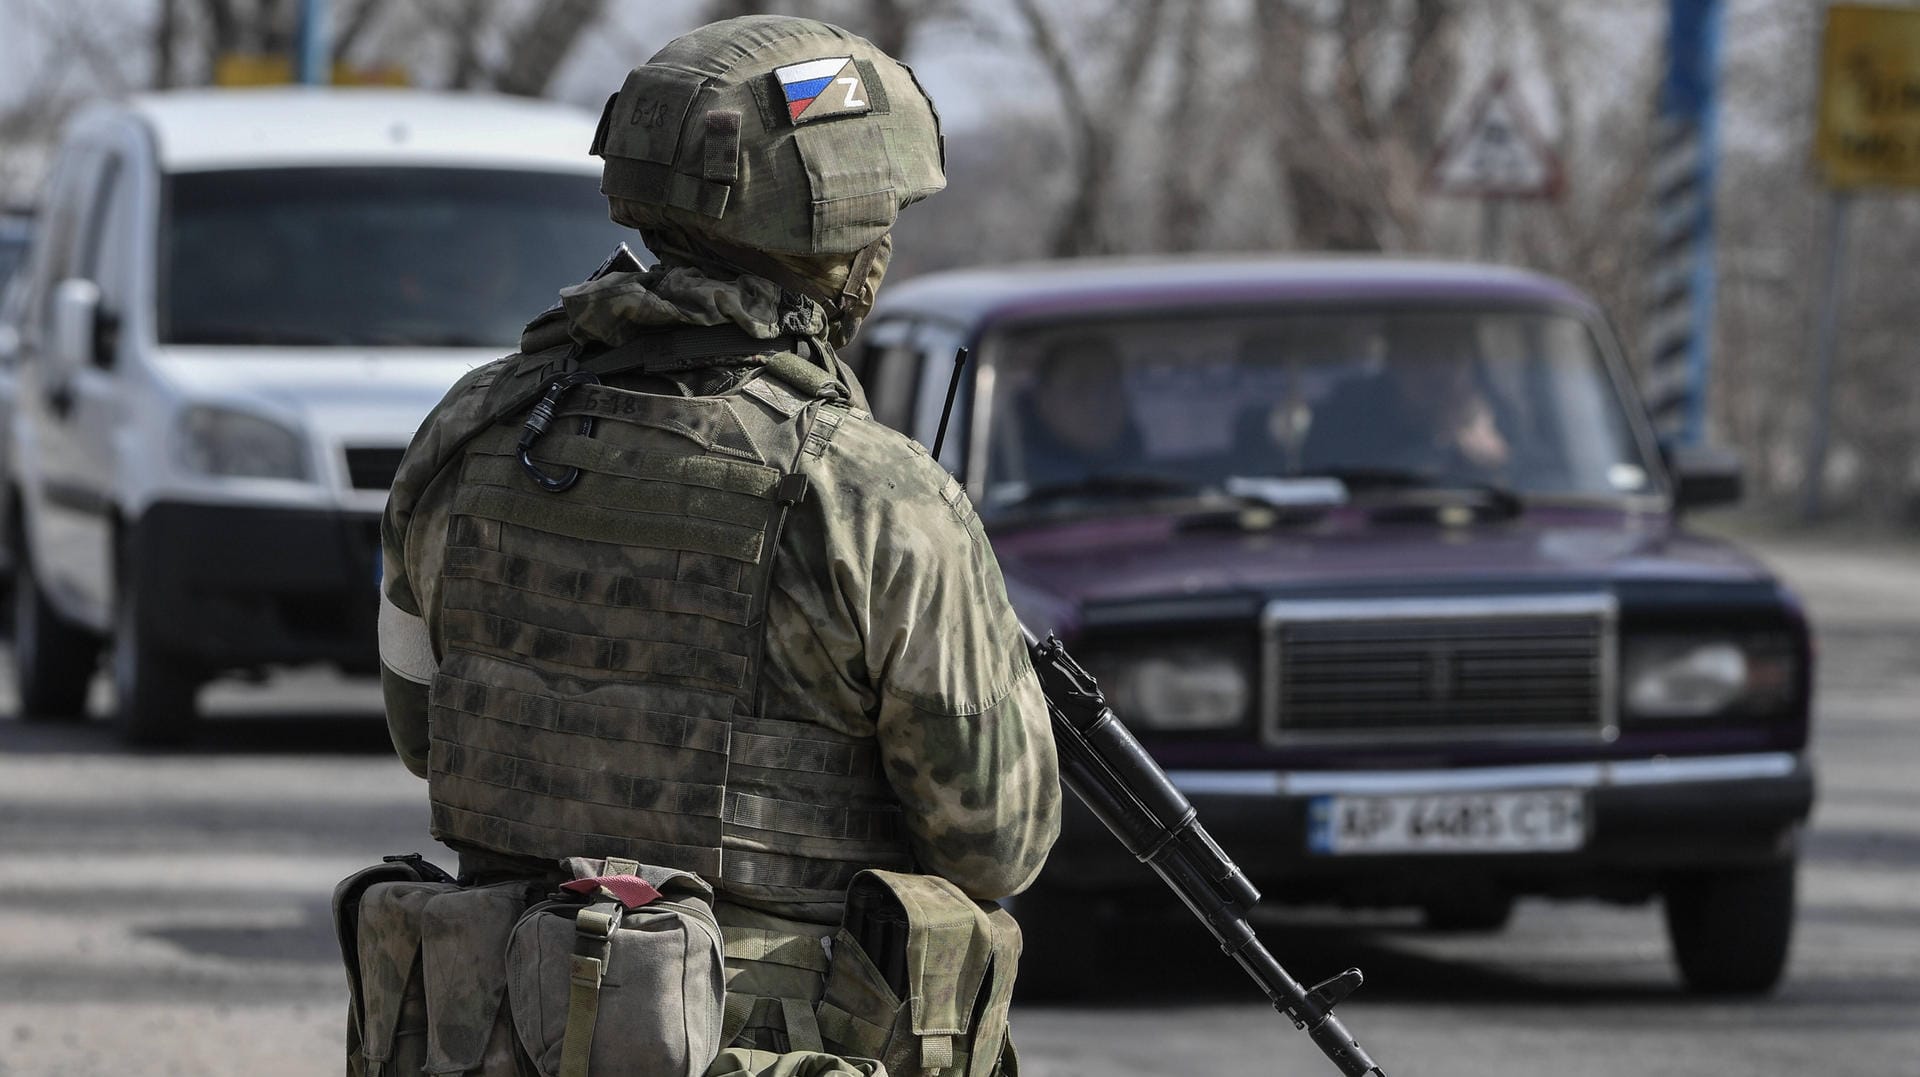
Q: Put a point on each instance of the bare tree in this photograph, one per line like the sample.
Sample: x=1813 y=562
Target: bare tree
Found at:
x=1097 y=109
x=542 y=41
x=890 y=24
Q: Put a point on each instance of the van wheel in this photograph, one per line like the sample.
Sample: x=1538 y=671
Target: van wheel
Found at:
x=53 y=659
x=153 y=693
x=1730 y=929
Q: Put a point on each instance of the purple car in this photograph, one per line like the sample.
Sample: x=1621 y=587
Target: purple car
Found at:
x=1383 y=562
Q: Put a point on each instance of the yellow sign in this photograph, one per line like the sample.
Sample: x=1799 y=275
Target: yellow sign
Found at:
x=1869 y=129
x=243 y=69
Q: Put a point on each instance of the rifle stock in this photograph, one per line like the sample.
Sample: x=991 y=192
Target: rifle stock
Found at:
x=1108 y=769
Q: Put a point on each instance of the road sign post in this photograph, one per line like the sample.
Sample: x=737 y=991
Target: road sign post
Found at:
x=1496 y=155
x=1678 y=339
x=1868 y=135
x=316 y=65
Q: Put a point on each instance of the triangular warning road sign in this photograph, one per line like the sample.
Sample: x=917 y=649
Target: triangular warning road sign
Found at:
x=1497 y=153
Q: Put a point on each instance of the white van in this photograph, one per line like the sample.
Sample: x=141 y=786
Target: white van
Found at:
x=240 y=306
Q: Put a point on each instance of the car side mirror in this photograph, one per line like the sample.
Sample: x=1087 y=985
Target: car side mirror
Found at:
x=76 y=325
x=1703 y=475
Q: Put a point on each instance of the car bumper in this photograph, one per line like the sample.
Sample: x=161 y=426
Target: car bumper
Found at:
x=1645 y=819
x=229 y=587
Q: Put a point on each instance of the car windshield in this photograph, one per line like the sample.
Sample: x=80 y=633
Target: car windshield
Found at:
x=1505 y=401
x=428 y=257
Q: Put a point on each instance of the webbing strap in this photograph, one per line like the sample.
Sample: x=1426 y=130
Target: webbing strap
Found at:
x=593 y=931
x=774 y=948
x=812 y=820
x=803 y=1032
x=794 y=1016
x=936 y=1053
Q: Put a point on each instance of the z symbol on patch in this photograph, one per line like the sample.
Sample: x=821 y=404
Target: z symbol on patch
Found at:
x=818 y=89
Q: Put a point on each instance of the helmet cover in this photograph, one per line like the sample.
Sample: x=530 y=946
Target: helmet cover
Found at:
x=774 y=134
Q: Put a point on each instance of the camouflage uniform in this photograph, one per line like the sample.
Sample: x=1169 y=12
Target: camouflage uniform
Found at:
x=887 y=629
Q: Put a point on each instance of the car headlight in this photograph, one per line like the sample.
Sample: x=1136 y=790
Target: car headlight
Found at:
x=1693 y=677
x=235 y=444
x=1181 y=691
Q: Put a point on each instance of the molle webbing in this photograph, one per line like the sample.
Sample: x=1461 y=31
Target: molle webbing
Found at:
x=598 y=690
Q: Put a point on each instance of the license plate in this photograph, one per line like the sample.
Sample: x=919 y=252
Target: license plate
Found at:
x=1546 y=820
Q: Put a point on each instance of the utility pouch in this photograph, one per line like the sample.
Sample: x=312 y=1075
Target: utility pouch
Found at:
x=376 y=916
x=622 y=974
x=463 y=956
x=921 y=978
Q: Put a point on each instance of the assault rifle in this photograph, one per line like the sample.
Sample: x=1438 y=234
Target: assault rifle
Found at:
x=1109 y=771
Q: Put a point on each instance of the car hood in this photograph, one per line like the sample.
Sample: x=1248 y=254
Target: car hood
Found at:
x=1054 y=570
x=367 y=396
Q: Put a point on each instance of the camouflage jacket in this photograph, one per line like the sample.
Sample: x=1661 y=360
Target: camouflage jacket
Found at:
x=888 y=617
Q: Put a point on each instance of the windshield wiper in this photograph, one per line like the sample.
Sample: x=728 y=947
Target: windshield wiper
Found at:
x=1113 y=484
x=1503 y=499
x=1250 y=503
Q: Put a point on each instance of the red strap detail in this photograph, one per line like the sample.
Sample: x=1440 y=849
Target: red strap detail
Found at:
x=629 y=890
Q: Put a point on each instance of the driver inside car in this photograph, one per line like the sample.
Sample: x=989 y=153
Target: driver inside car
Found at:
x=1421 y=410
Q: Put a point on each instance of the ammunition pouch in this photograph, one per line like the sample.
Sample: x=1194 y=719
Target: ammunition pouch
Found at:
x=618 y=971
x=921 y=978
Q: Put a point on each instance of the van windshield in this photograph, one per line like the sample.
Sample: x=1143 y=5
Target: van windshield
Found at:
x=1514 y=400
x=393 y=257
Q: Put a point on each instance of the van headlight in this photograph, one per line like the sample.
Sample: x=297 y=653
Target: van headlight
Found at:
x=1181 y=691
x=1699 y=677
x=236 y=444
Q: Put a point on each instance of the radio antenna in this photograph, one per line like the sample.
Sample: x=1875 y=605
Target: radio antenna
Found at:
x=953 y=389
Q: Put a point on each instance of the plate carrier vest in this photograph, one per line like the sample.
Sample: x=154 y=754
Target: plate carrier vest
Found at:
x=602 y=635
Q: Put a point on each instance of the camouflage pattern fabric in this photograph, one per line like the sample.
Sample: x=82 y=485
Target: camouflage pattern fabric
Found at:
x=615 y=308
x=887 y=618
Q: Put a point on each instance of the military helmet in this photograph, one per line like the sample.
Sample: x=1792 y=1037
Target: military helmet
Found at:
x=771 y=133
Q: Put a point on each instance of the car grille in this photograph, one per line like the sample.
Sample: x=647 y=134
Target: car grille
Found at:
x=1520 y=665
x=373 y=468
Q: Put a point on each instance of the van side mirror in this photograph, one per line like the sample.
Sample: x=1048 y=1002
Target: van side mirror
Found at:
x=1703 y=475
x=77 y=325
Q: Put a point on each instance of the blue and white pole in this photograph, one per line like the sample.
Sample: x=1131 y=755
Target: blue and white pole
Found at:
x=1679 y=333
x=316 y=44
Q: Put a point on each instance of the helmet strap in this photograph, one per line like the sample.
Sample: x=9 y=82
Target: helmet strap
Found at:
x=857 y=277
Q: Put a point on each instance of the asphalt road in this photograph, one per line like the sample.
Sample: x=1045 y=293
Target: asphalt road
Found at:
x=167 y=913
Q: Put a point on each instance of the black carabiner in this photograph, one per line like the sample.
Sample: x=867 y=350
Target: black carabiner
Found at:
x=541 y=418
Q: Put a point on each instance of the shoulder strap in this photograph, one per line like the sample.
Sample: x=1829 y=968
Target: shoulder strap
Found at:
x=665 y=352
x=593 y=934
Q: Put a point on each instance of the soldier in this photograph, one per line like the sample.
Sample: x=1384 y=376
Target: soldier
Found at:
x=658 y=588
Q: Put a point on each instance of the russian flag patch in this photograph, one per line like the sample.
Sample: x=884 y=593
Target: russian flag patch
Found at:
x=818 y=89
